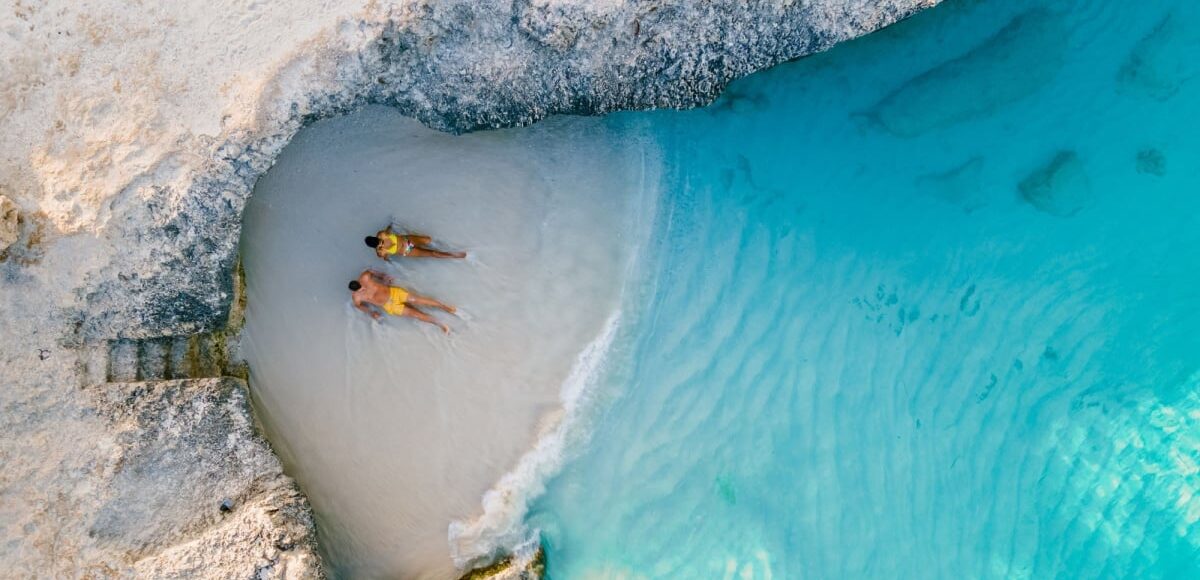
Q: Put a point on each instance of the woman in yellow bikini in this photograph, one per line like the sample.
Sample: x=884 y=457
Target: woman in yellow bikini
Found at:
x=388 y=244
x=375 y=288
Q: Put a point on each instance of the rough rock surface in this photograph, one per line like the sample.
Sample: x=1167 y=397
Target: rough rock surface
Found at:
x=530 y=567
x=133 y=137
x=163 y=479
x=10 y=223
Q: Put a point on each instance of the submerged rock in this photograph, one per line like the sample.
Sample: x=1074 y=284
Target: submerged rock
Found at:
x=1152 y=161
x=1013 y=64
x=512 y=568
x=1060 y=187
x=960 y=185
x=1165 y=59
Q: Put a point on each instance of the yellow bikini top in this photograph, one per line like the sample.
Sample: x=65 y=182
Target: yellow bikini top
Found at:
x=393 y=241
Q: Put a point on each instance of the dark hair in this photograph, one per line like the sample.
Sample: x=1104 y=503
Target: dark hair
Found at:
x=354 y=285
x=372 y=241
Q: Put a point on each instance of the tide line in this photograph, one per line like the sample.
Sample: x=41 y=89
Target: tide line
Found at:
x=501 y=525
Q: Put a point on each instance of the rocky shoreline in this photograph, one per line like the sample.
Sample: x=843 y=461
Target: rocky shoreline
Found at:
x=136 y=141
x=456 y=67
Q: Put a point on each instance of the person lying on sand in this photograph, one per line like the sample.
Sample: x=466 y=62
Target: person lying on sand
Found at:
x=375 y=288
x=388 y=243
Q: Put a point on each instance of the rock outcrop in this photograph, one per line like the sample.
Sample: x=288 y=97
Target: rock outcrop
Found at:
x=218 y=488
x=10 y=223
x=162 y=479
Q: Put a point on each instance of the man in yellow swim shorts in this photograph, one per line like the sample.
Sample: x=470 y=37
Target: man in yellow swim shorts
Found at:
x=376 y=289
x=388 y=244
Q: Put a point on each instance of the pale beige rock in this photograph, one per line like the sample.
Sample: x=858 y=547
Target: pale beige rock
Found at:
x=131 y=483
x=10 y=227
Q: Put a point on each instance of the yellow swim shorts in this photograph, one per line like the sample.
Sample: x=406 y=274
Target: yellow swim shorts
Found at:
x=395 y=303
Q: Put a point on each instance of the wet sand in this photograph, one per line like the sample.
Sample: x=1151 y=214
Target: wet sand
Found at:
x=391 y=428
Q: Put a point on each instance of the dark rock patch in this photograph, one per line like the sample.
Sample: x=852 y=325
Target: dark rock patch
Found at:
x=1152 y=161
x=1060 y=187
x=961 y=185
x=1160 y=64
x=1013 y=64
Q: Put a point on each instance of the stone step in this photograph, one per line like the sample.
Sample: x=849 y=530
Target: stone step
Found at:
x=197 y=356
x=154 y=359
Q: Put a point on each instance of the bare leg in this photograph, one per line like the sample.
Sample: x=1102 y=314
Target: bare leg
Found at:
x=432 y=253
x=418 y=300
x=413 y=312
x=419 y=240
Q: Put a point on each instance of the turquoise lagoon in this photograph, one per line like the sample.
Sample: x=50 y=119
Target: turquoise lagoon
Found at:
x=924 y=306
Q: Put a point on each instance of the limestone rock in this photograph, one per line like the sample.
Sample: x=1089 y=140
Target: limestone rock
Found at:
x=526 y=567
x=10 y=226
x=195 y=492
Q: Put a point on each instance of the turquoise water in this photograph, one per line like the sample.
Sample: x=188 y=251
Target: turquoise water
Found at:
x=924 y=306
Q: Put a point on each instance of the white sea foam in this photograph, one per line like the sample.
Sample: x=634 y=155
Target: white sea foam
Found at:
x=501 y=528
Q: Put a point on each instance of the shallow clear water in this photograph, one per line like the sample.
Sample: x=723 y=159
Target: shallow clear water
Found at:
x=922 y=306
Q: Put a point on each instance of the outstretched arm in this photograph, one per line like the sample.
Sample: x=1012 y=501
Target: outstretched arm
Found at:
x=363 y=307
x=381 y=277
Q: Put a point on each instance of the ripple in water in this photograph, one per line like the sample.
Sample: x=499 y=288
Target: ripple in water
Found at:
x=957 y=340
